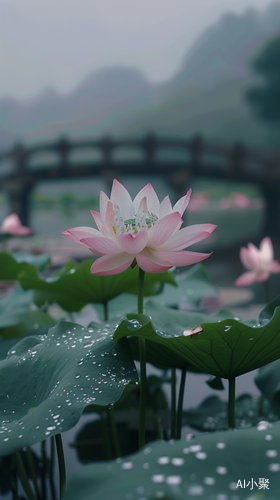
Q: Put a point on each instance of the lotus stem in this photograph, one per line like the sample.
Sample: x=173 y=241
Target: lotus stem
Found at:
x=173 y=403
x=14 y=479
x=23 y=478
x=106 y=315
x=32 y=470
x=260 y=405
x=231 y=403
x=107 y=448
x=180 y=403
x=114 y=431
x=267 y=291
x=51 y=469
x=142 y=355
x=61 y=463
x=43 y=469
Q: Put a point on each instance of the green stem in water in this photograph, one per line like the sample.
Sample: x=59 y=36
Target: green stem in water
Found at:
x=107 y=449
x=23 y=478
x=51 y=469
x=267 y=291
x=142 y=355
x=180 y=403
x=231 y=403
x=43 y=469
x=14 y=478
x=61 y=463
x=260 y=405
x=32 y=470
x=106 y=315
x=173 y=403
x=114 y=431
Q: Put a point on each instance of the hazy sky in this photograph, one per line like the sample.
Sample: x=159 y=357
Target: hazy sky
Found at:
x=58 y=42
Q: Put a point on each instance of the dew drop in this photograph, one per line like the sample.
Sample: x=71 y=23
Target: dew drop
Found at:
x=209 y=481
x=201 y=455
x=163 y=460
x=195 y=490
x=271 y=453
x=177 y=461
x=220 y=446
x=158 y=478
x=274 y=467
x=195 y=448
x=127 y=465
x=221 y=470
x=173 y=480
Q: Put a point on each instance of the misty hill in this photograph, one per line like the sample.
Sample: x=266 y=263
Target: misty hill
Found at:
x=206 y=95
x=96 y=106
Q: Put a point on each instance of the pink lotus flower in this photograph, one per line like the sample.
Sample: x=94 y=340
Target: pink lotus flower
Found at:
x=197 y=201
x=143 y=229
x=259 y=262
x=240 y=200
x=12 y=225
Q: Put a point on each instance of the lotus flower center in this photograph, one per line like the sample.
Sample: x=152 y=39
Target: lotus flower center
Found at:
x=142 y=220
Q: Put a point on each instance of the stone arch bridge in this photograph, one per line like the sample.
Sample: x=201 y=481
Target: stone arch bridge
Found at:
x=177 y=160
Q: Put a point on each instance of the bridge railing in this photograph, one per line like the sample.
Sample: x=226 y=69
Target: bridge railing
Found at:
x=200 y=158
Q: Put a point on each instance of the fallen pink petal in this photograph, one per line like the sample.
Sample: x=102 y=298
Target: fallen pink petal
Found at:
x=188 y=332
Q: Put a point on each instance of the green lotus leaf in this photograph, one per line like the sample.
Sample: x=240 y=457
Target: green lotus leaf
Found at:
x=72 y=286
x=7 y=343
x=192 y=286
x=31 y=320
x=156 y=398
x=13 y=264
x=41 y=261
x=212 y=413
x=16 y=317
x=13 y=307
x=215 y=383
x=224 y=348
x=209 y=466
x=47 y=381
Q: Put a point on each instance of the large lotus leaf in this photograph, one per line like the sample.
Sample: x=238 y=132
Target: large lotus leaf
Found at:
x=168 y=320
x=212 y=413
x=225 y=348
x=155 y=400
x=7 y=343
x=31 y=320
x=118 y=307
x=268 y=381
x=16 y=317
x=46 y=382
x=13 y=264
x=13 y=307
x=72 y=286
x=41 y=261
x=208 y=467
x=193 y=286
